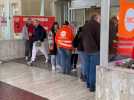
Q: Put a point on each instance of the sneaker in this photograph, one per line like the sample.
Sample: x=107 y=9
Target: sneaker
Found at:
x=30 y=63
x=26 y=58
x=46 y=61
x=53 y=68
x=74 y=70
x=59 y=69
x=92 y=89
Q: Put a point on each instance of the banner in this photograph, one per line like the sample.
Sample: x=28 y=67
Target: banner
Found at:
x=19 y=22
x=126 y=28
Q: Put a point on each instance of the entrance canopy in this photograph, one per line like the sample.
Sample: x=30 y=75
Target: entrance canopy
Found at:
x=80 y=4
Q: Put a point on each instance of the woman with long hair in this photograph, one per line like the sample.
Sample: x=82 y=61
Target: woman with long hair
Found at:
x=52 y=45
x=113 y=30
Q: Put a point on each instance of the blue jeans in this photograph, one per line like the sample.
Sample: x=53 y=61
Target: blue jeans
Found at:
x=92 y=60
x=55 y=59
x=65 y=56
x=58 y=58
x=82 y=62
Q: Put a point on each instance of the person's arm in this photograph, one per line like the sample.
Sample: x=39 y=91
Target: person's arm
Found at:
x=43 y=34
x=56 y=38
x=97 y=32
x=24 y=32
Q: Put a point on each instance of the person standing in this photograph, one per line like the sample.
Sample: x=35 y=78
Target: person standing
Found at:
x=52 y=46
x=82 y=55
x=28 y=37
x=64 y=38
x=39 y=37
x=77 y=43
x=113 y=30
x=91 y=47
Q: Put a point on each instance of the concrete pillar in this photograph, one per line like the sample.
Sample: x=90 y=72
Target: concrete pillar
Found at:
x=53 y=4
x=7 y=30
x=105 y=11
x=42 y=11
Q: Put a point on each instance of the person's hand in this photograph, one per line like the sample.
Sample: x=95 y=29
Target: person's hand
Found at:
x=38 y=43
x=30 y=34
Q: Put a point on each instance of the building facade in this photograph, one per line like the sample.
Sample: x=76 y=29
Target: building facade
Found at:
x=76 y=11
x=15 y=7
x=82 y=11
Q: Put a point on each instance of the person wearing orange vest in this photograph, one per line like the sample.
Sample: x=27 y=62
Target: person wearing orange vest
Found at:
x=64 y=38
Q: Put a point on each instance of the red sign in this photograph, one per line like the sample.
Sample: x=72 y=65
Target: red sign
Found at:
x=19 y=22
x=126 y=19
x=126 y=28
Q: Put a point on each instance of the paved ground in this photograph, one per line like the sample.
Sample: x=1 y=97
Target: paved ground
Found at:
x=40 y=63
x=43 y=82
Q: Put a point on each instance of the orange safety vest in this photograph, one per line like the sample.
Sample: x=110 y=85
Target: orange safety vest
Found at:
x=126 y=28
x=64 y=37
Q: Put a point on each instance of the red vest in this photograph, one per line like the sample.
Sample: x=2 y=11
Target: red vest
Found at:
x=64 y=37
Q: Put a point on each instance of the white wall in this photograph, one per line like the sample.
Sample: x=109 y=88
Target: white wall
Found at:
x=11 y=49
x=114 y=83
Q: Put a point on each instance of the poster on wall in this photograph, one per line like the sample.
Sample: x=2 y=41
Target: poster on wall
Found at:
x=3 y=26
x=19 y=22
x=126 y=28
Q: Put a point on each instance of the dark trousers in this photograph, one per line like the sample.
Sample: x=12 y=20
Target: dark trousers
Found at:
x=74 y=59
x=28 y=48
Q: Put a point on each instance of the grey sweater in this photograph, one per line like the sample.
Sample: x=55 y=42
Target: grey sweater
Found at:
x=25 y=33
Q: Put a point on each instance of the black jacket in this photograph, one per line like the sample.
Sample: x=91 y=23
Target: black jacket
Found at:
x=39 y=34
x=80 y=45
x=90 y=37
x=113 y=30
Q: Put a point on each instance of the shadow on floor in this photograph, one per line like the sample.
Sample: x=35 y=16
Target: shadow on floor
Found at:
x=40 y=63
x=8 y=92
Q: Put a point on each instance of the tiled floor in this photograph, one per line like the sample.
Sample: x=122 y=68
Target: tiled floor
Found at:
x=44 y=83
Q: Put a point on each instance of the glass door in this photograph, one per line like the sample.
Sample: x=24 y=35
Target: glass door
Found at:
x=77 y=16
